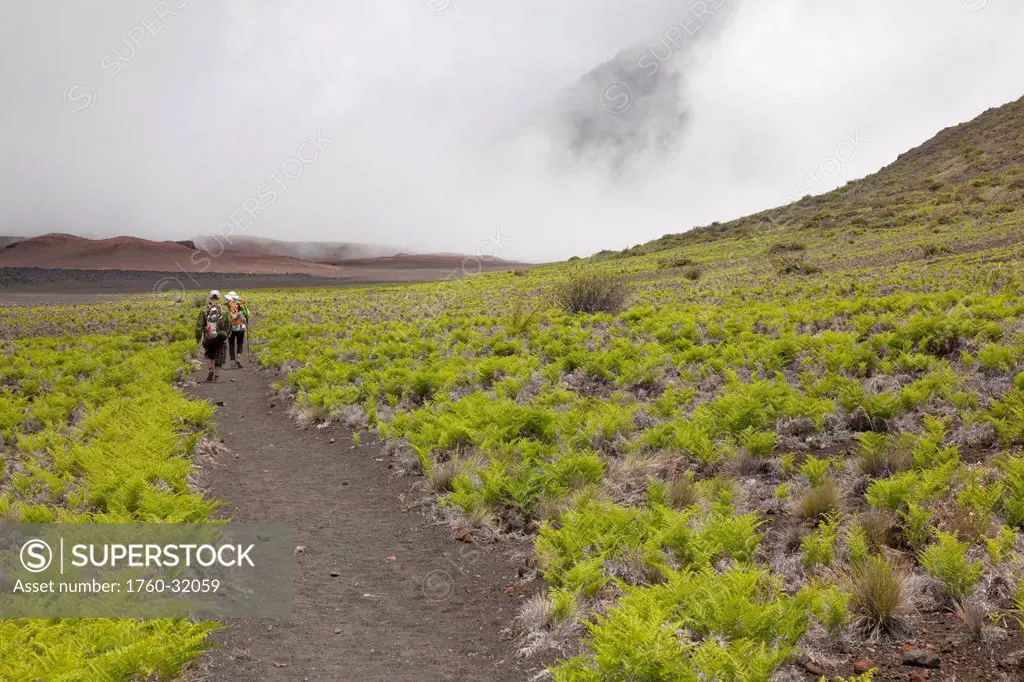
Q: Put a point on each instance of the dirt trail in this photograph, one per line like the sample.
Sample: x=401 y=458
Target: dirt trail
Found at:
x=378 y=618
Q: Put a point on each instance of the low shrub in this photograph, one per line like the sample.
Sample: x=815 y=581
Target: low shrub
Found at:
x=796 y=266
x=947 y=560
x=819 y=547
x=879 y=457
x=592 y=291
x=740 y=626
x=678 y=262
x=931 y=250
x=786 y=247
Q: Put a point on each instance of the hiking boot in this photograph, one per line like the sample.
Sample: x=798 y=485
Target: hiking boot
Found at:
x=238 y=365
x=216 y=377
x=209 y=377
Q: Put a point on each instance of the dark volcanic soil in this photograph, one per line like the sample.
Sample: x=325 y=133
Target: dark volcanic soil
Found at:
x=68 y=281
x=406 y=602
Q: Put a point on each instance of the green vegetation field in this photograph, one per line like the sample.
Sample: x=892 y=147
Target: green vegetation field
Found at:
x=795 y=428
x=92 y=430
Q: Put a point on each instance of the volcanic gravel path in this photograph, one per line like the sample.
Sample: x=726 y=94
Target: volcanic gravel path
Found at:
x=381 y=592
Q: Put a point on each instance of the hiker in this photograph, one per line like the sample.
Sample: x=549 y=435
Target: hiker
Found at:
x=212 y=330
x=238 y=314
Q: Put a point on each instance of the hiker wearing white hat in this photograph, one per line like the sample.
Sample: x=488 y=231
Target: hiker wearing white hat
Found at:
x=238 y=315
x=212 y=329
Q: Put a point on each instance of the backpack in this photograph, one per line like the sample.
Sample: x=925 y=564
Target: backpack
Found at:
x=213 y=317
x=236 y=314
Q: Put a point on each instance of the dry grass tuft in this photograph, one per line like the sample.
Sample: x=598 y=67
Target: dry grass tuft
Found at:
x=817 y=502
x=442 y=477
x=884 y=461
x=681 y=493
x=878 y=598
x=881 y=527
x=536 y=614
x=973 y=615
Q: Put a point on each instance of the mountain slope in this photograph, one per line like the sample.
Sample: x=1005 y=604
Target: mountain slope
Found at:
x=962 y=184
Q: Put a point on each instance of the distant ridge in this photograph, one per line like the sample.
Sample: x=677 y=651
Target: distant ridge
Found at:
x=57 y=250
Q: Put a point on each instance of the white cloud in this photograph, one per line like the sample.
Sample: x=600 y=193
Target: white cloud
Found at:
x=435 y=117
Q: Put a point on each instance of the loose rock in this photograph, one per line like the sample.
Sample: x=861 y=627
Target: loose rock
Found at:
x=921 y=658
x=863 y=665
x=813 y=668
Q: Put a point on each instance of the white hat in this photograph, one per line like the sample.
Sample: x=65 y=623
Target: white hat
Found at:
x=214 y=293
x=232 y=295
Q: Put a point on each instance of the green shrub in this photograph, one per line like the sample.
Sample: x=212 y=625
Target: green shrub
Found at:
x=786 y=247
x=997 y=359
x=1013 y=480
x=815 y=470
x=931 y=250
x=831 y=607
x=818 y=548
x=592 y=291
x=758 y=443
x=879 y=456
x=947 y=560
x=1000 y=548
x=917 y=529
x=796 y=266
x=743 y=626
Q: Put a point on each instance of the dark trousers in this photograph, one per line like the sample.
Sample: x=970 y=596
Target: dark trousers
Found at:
x=237 y=337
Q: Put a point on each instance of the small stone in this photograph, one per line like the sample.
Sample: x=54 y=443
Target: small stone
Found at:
x=335 y=574
x=510 y=590
x=331 y=440
x=919 y=676
x=922 y=658
x=464 y=535
x=863 y=665
x=813 y=668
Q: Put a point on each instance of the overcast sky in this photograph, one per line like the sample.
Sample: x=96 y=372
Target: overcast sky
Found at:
x=426 y=124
